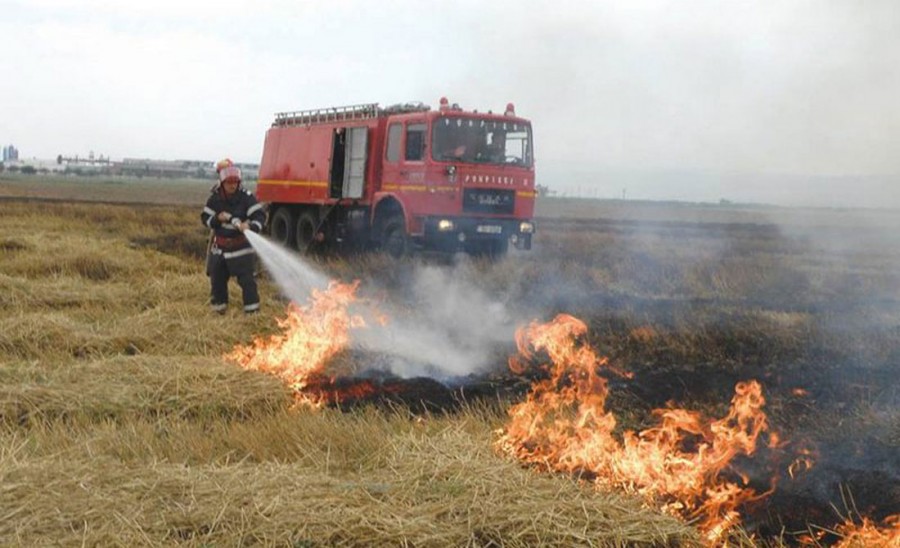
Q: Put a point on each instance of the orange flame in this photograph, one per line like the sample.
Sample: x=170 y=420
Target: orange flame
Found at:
x=803 y=463
x=563 y=425
x=311 y=336
x=869 y=535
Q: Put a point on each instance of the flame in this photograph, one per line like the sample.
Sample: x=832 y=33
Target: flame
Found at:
x=805 y=462
x=869 y=535
x=680 y=464
x=311 y=336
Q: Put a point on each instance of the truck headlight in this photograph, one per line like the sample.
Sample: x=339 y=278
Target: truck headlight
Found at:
x=526 y=227
x=445 y=225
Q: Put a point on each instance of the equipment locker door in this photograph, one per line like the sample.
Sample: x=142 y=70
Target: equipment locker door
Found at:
x=355 y=162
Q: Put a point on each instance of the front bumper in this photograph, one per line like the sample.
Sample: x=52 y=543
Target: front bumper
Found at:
x=469 y=232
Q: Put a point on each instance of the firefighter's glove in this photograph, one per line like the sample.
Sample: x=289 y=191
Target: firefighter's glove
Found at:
x=242 y=226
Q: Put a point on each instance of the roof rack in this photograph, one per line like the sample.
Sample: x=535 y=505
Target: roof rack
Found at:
x=333 y=114
x=346 y=113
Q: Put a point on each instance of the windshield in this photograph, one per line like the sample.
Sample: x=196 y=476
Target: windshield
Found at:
x=481 y=141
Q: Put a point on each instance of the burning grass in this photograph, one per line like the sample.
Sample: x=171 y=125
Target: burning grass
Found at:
x=564 y=425
x=120 y=423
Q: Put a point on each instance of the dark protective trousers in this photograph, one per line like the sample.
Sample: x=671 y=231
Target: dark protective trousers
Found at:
x=221 y=269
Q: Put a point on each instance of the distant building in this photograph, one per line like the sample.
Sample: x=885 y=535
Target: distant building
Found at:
x=10 y=154
x=129 y=167
x=40 y=165
x=145 y=167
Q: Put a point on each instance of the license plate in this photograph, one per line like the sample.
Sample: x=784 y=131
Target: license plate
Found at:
x=489 y=229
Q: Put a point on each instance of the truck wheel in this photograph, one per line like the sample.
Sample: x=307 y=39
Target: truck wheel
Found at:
x=394 y=240
x=282 y=226
x=307 y=223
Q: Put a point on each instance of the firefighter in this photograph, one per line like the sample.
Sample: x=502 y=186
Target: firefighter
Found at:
x=220 y=165
x=230 y=211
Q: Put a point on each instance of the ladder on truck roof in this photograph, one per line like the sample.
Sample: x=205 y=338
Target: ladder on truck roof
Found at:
x=339 y=114
x=321 y=115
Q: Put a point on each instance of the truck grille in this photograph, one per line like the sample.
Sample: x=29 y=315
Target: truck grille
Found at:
x=482 y=200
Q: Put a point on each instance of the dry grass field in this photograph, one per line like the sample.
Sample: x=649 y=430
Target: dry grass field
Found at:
x=122 y=424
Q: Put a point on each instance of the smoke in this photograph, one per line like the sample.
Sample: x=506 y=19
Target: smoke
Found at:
x=450 y=328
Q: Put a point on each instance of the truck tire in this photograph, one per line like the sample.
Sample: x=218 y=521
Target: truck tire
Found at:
x=307 y=223
x=394 y=240
x=282 y=226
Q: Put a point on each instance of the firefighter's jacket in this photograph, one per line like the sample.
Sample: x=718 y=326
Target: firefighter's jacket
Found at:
x=229 y=241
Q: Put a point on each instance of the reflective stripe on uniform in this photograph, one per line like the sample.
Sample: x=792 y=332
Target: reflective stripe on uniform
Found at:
x=251 y=307
x=219 y=307
x=209 y=211
x=238 y=253
x=253 y=208
x=257 y=224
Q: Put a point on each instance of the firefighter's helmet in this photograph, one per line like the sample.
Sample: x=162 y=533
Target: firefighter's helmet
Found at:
x=230 y=173
x=222 y=164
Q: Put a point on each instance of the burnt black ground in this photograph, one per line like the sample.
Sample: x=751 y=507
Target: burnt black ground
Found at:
x=856 y=467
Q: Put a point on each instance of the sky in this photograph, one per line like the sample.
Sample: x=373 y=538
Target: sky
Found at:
x=778 y=101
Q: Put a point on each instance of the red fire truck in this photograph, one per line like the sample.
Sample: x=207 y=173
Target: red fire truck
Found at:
x=399 y=178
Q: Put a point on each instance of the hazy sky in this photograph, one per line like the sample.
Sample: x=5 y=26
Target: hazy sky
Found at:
x=622 y=94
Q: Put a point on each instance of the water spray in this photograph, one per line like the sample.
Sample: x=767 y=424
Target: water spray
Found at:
x=431 y=341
